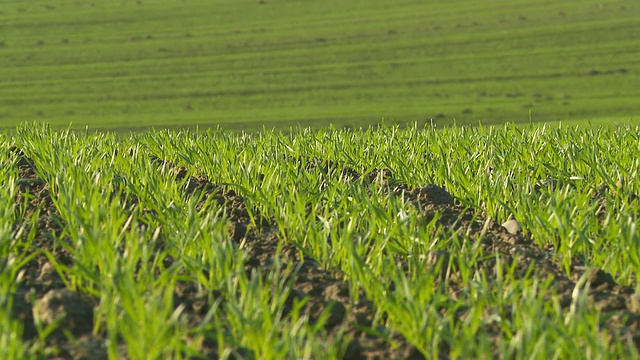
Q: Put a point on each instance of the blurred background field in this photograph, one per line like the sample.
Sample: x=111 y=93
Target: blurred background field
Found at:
x=245 y=64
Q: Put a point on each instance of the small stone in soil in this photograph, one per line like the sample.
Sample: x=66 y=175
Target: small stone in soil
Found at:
x=512 y=226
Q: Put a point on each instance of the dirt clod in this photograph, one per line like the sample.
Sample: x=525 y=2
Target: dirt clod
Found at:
x=430 y=194
x=73 y=311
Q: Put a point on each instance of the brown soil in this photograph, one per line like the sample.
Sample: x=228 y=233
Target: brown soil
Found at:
x=43 y=294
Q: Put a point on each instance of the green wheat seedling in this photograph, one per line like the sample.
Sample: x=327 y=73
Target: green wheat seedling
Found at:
x=126 y=211
x=12 y=259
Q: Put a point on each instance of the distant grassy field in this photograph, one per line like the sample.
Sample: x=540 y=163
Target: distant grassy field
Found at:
x=244 y=64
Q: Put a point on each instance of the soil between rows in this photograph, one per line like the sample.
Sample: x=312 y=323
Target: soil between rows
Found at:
x=43 y=286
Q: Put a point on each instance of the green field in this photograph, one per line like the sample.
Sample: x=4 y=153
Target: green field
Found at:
x=328 y=244
x=245 y=64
